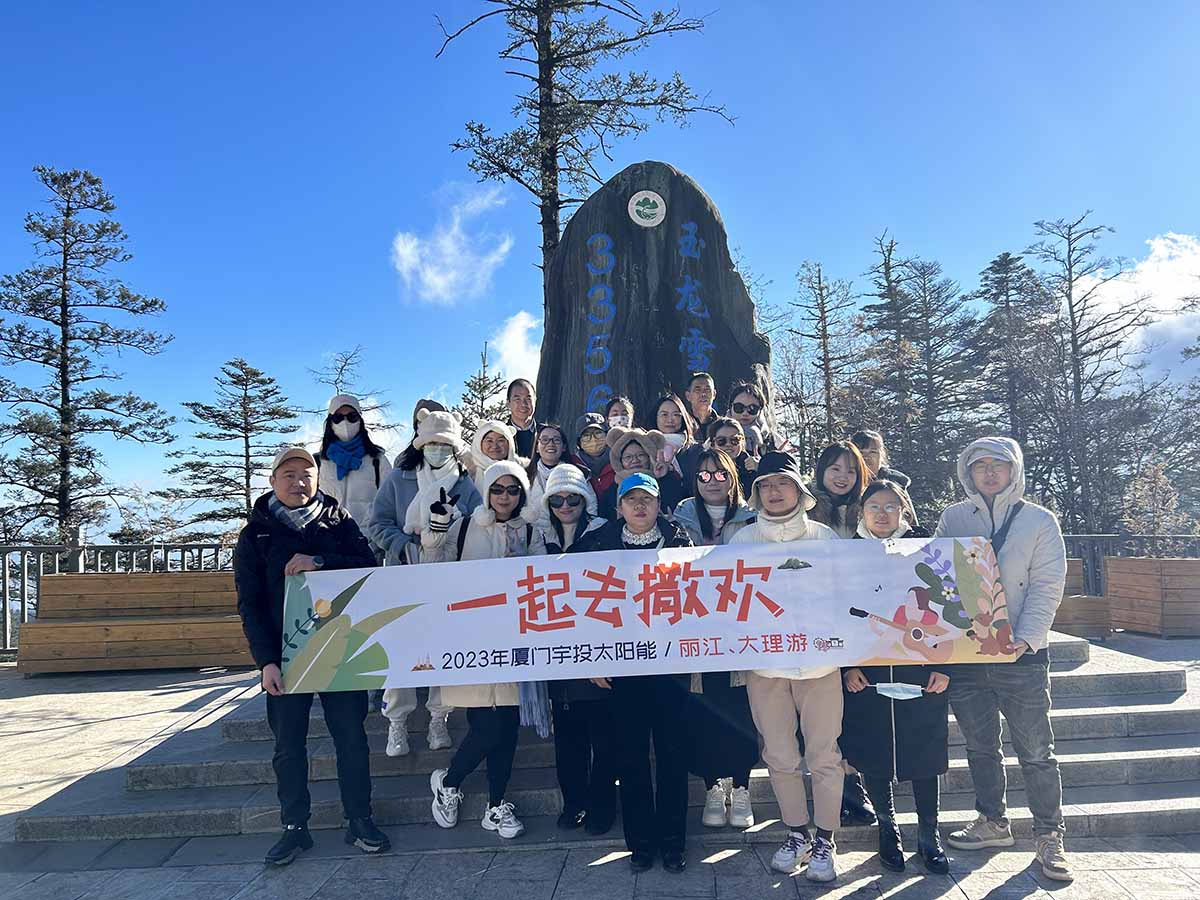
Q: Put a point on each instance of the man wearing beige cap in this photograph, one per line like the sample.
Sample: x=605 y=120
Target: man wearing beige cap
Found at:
x=294 y=528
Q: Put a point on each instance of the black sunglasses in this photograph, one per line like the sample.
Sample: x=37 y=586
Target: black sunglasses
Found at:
x=728 y=441
x=572 y=500
x=498 y=490
x=704 y=476
x=338 y=418
x=751 y=408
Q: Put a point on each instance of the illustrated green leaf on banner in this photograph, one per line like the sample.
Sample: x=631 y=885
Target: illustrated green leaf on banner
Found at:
x=340 y=601
x=313 y=668
x=366 y=628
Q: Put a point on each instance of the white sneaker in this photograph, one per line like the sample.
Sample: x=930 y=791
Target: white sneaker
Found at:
x=1053 y=858
x=715 y=815
x=981 y=834
x=397 y=744
x=445 y=800
x=794 y=853
x=741 y=813
x=503 y=820
x=439 y=734
x=823 y=864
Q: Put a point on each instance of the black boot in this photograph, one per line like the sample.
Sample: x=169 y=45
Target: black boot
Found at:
x=929 y=845
x=295 y=839
x=363 y=834
x=570 y=819
x=856 y=806
x=891 y=851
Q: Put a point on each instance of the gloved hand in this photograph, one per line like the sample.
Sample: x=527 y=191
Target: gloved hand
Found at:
x=441 y=512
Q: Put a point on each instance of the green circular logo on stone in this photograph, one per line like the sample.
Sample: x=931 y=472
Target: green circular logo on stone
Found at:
x=647 y=209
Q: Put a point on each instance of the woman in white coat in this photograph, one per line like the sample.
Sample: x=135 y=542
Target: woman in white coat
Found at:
x=352 y=466
x=495 y=530
x=493 y=441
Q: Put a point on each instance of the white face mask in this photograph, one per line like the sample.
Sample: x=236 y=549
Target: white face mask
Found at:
x=674 y=440
x=437 y=455
x=346 y=430
x=618 y=421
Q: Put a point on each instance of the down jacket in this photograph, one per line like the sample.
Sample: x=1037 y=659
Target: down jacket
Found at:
x=385 y=526
x=356 y=492
x=1033 y=560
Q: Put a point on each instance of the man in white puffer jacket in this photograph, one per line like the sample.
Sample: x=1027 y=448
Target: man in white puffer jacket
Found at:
x=1033 y=569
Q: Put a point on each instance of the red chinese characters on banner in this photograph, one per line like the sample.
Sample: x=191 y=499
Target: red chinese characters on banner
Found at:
x=532 y=602
x=728 y=596
x=612 y=589
x=661 y=594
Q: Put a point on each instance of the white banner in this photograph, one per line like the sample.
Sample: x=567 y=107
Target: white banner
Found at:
x=745 y=606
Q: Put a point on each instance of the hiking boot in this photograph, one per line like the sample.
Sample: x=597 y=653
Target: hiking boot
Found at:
x=856 y=805
x=891 y=849
x=397 y=743
x=1052 y=857
x=295 y=839
x=982 y=834
x=445 y=800
x=741 y=812
x=794 y=853
x=503 y=820
x=363 y=834
x=823 y=864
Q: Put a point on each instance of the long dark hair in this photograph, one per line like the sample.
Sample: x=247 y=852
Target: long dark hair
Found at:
x=832 y=454
x=531 y=469
x=723 y=461
x=328 y=437
x=580 y=526
x=520 y=500
x=688 y=423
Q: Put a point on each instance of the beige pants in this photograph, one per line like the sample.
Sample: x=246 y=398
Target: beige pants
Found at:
x=777 y=705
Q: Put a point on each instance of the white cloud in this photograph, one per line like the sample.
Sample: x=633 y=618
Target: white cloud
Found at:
x=452 y=263
x=518 y=346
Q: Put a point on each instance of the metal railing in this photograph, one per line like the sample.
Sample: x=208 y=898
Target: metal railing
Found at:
x=22 y=568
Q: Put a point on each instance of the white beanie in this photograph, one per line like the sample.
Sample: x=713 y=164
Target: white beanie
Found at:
x=439 y=427
x=498 y=470
x=344 y=400
x=568 y=479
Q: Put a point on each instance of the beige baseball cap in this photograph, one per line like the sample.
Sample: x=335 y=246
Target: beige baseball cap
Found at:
x=287 y=453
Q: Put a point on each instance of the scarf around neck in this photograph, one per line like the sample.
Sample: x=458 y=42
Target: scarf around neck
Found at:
x=901 y=530
x=593 y=463
x=790 y=527
x=299 y=517
x=346 y=455
x=430 y=482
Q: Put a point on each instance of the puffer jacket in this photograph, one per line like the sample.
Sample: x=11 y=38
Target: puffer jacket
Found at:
x=356 y=492
x=687 y=515
x=477 y=462
x=1033 y=560
x=385 y=525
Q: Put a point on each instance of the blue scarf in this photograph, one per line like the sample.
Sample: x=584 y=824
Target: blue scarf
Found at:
x=346 y=455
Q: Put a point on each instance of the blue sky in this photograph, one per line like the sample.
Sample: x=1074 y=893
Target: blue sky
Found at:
x=265 y=157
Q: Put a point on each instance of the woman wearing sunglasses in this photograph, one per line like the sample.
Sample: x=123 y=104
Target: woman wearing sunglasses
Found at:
x=352 y=466
x=886 y=736
x=549 y=449
x=584 y=749
x=747 y=405
x=724 y=739
x=496 y=529
x=727 y=434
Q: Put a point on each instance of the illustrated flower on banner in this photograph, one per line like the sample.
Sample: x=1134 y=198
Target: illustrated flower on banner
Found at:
x=323 y=608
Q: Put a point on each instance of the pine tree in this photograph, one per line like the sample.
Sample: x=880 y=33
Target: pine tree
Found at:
x=482 y=397
x=248 y=411
x=824 y=308
x=1152 y=504
x=61 y=324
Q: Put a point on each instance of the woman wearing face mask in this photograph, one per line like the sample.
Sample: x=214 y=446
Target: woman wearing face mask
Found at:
x=400 y=513
x=493 y=441
x=727 y=434
x=724 y=740
x=591 y=451
x=584 y=751
x=634 y=450
x=672 y=418
x=618 y=412
x=654 y=813
x=839 y=482
x=352 y=466
x=495 y=530
x=550 y=449
x=888 y=738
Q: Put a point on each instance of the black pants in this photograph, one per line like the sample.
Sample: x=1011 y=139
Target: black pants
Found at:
x=654 y=813
x=925 y=793
x=345 y=712
x=491 y=735
x=585 y=757
x=723 y=737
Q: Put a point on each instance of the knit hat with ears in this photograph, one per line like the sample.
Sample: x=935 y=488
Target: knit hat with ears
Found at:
x=777 y=463
x=439 y=427
x=620 y=438
x=426 y=404
x=568 y=479
x=344 y=400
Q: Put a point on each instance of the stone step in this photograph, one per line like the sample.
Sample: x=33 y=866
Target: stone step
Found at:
x=1143 y=808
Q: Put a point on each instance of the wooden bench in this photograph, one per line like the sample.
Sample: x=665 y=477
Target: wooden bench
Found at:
x=1080 y=614
x=90 y=623
x=1156 y=596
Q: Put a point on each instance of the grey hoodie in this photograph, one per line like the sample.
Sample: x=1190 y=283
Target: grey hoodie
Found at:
x=1033 y=560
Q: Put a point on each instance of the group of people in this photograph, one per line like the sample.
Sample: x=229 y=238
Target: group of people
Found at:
x=688 y=477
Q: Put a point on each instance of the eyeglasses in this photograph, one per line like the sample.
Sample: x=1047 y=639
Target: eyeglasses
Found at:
x=634 y=459
x=338 y=418
x=734 y=441
x=889 y=508
x=572 y=500
x=499 y=490
x=752 y=409
x=550 y=441
x=720 y=476
x=989 y=468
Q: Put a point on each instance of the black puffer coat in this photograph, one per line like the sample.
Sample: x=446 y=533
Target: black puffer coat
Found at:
x=265 y=546
x=917 y=747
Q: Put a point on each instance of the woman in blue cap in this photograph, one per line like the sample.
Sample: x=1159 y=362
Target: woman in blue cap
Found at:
x=645 y=706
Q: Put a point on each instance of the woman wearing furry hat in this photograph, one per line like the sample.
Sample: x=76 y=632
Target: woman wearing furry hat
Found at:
x=634 y=450
x=495 y=530
x=493 y=441
x=584 y=750
x=427 y=466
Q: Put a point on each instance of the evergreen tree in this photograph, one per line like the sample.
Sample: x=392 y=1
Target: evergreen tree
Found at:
x=482 y=397
x=59 y=329
x=1151 y=504
x=824 y=307
x=248 y=412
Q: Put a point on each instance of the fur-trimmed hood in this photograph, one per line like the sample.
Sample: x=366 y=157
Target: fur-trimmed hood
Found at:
x=619 y=438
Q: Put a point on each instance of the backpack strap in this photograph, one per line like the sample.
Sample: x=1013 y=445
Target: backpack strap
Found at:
x=375 y=459
x=462 y=535
x=1001 y=535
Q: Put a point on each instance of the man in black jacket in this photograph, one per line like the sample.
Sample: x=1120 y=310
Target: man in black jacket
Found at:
x=295 y=528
